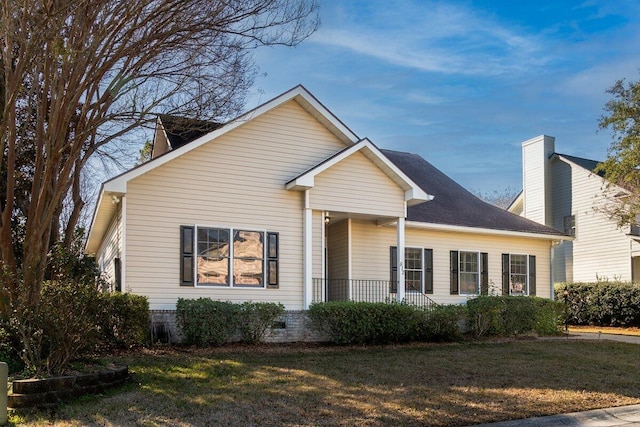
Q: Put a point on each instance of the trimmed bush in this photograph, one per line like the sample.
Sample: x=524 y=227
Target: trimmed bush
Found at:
x=123 y=319
x=381 y=323
x=205 y=322
x=256 y=318
x=601 y=303
x=511 y=315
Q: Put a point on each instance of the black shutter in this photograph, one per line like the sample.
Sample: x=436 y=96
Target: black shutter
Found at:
x=394 y=269
x=484 y=273
x=117 y=271
x=428 y=271
x=273 y=242
x=505 y=274
x=186 y=255
x=454 y=273
x=532 y=274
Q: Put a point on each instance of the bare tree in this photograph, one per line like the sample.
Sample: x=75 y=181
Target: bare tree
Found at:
x=500 y=198
x=76 y=75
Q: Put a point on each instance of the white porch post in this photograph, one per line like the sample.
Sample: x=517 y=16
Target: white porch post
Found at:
x=400 y=261
x=307 y=252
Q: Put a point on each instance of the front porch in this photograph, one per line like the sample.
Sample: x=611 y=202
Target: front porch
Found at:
x=384 y=291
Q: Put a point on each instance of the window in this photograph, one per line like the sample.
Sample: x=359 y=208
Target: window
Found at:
x=570 y=225
x=228 y=257
x=469 y=273
x=418 y=270
x=518 y=274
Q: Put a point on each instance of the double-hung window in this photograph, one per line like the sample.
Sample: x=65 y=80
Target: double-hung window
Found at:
x=469 y=273
x=212 y=256
x=418 y=270
x=518 y=274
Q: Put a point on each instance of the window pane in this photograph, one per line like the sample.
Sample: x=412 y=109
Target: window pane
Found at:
x=213 y=256
x=213 y=271
x=469 y=273
x=518 y=275
x=248 y=258
x=247 y=272
x=213 y=242
x=413 y=269
x=413 y=258
x=248 y=244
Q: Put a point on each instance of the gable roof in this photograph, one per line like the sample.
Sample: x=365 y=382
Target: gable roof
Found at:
x=413 y=193
x=455 y=206
x=117 y=186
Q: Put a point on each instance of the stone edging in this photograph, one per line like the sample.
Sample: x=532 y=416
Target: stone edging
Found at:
x=32 y=393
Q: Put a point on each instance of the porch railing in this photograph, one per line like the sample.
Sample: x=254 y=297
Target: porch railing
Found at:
x=365 y=290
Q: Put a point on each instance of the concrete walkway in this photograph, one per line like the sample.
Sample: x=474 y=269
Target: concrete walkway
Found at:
x=609 y=417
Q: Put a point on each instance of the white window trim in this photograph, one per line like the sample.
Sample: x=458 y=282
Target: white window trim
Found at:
x=231 y=284
x=479 y=272
x=526 y=276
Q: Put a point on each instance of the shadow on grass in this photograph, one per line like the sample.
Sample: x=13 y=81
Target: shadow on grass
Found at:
x=427 y=385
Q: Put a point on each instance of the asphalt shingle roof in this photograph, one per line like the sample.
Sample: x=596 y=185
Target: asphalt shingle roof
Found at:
x=181 y=130
x=453 y=204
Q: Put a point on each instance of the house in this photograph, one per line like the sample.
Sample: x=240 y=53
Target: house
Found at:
x=286 y=204
x=565 y=192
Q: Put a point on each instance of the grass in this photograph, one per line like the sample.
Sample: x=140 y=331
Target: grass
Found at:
x=414 y=385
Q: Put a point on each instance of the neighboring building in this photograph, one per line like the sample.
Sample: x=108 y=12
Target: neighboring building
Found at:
x=286 y=204
x=565 y=193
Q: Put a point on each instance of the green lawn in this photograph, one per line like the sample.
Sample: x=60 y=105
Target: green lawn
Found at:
x=426 y=385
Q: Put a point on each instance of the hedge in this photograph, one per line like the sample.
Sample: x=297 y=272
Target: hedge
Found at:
x=514 y=315
x=601 y=303
x=205 y=322
x=350 y=322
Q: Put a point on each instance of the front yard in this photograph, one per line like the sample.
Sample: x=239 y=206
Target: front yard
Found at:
x=412 y=385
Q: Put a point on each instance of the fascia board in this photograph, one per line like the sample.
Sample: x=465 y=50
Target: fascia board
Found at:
x=486 y=231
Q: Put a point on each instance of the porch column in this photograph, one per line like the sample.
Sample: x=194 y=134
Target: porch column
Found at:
x=400 y=261
x=307 y=249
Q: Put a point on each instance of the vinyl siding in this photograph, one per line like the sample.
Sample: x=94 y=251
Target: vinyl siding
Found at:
x=370 y=248
x=536 y=179
x=562 y=206
x=111 y=247
x=235 y=181
x=356 y=185
x=600 y=249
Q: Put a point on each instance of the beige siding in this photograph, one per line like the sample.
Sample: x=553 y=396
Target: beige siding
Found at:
x=371 y=244
x=338 y=255
x=536 y=179
x=338 y=259
x=561 y=207
x=600 y=250
x=356 y=185
x=235 y=181
x=111 y=248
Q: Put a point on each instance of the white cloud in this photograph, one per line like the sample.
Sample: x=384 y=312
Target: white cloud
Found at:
x=435 y=37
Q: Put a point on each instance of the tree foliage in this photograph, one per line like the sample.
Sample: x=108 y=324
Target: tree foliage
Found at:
x=76 y=75
x=622 y=166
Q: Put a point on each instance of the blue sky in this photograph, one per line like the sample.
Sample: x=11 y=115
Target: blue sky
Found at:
x=463 y=83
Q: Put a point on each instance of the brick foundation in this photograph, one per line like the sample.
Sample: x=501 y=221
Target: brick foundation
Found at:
x=293 y=326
